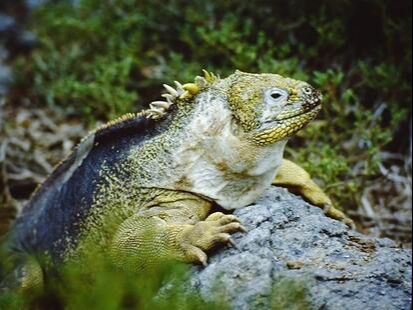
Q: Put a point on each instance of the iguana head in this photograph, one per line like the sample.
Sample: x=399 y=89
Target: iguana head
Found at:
x=269 y=107
x=266 y=108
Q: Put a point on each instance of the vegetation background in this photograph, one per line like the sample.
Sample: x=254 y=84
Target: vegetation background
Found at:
x=85 y=62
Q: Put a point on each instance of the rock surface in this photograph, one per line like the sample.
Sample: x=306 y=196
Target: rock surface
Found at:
x=290 y=241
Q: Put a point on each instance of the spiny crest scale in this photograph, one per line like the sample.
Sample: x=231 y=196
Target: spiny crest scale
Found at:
x=181 y=92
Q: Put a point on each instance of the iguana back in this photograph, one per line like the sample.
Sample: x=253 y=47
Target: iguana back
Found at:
x=53 y=216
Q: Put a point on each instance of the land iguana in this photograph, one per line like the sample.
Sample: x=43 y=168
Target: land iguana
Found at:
x=141 y=188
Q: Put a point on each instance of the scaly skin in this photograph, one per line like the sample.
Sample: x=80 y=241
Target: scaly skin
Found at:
x=143 y=187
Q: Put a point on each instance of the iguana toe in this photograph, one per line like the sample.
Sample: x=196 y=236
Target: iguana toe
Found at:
x=205 y=235
x=336 y=214
x=196 y=255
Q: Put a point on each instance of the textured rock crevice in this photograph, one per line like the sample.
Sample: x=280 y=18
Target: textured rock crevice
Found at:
x=290 y=241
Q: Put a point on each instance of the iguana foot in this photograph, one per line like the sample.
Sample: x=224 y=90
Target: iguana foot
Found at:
x=316 y=196
x=207 y=234
x=298 y=181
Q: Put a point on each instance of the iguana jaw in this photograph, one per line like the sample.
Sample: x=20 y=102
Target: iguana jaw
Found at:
x=290 y=111
x=287 y=123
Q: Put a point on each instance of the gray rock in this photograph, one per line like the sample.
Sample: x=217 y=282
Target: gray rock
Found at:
x=291 y=248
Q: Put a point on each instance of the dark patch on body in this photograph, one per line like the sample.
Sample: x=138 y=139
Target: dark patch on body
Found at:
x=51 y=222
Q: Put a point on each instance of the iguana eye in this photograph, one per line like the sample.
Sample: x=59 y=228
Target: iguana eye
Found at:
x=277 y=95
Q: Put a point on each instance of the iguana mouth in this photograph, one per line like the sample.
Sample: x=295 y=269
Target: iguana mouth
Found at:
x=283 y=128
x=311 y=113
x=309 y=107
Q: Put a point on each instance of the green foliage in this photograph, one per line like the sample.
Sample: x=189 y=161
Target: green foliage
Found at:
x=100 y=59
x=98 y=284
x=101 y=285
x=11 y=300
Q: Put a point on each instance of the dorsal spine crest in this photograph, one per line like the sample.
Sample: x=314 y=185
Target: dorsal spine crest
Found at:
x=179 y=93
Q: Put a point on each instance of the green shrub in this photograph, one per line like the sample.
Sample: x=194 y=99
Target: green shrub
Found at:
x=97 y=284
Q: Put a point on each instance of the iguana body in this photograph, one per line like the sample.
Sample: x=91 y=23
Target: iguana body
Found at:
x=141 y=188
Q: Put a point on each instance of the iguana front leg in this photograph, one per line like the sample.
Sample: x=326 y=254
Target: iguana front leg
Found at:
x=297 y=180
x=175 y=226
